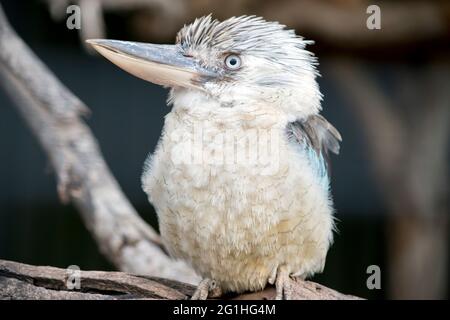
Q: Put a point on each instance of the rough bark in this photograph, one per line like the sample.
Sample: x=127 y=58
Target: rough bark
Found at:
x=21 y=281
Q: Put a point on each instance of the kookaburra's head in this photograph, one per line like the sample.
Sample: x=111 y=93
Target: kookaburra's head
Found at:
x=242 y=60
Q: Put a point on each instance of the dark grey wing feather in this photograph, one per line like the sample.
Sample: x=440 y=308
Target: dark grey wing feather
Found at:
x=317 y=133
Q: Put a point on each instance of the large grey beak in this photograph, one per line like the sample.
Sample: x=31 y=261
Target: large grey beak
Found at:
x=160 y=64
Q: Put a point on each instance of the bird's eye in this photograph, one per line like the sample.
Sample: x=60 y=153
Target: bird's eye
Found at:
x=233 y=62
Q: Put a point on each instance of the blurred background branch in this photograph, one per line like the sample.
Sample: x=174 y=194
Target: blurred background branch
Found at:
x=408 y=144
x=336 y=22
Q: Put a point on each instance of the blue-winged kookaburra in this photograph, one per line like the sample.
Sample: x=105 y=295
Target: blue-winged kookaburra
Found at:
x=239 y=177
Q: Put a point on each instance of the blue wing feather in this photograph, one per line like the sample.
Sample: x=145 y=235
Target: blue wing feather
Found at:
x=315 y=136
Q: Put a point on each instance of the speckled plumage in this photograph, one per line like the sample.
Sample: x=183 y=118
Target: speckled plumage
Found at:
x=238 y=223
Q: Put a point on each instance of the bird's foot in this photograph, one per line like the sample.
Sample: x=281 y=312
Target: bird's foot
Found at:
x=207 y=288
x=283 y=283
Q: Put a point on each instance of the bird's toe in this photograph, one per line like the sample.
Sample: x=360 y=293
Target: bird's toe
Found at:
x=283 y=284
x=207 y=288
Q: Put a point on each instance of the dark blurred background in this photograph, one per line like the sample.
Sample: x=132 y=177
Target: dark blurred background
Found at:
x=387 y=91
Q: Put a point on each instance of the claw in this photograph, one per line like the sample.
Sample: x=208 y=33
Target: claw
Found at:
x=283 y=284
x=207 y=287
x=273 y=276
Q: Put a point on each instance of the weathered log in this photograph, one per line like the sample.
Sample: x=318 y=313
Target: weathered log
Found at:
x=22 y=281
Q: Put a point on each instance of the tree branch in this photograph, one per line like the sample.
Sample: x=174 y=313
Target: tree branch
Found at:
x=54 y=115
x=21 y=281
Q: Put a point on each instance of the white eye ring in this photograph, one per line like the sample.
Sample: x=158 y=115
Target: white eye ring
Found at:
x=233 y=62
